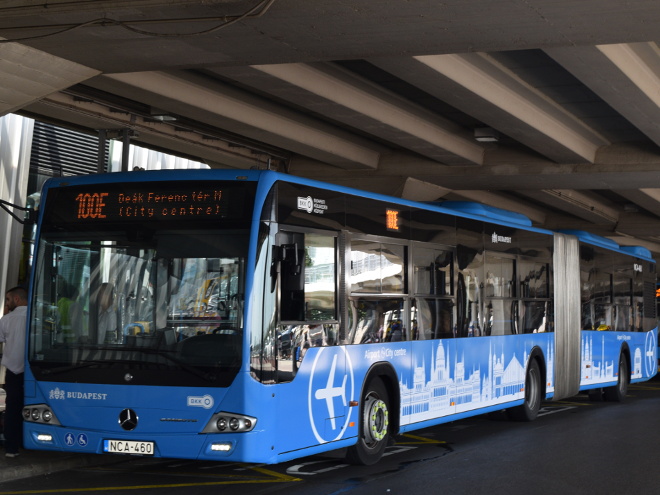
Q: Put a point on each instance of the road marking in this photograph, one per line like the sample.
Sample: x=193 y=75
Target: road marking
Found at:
x=269 y=477
x=544 y=411
x=561 y=403
x=415 y=440
x=644 y=387
x=296 y=470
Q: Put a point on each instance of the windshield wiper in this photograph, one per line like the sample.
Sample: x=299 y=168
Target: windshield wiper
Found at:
x=71 y=367
x=209 y=377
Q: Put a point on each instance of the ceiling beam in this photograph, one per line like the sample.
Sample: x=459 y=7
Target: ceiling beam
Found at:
x=417 y=190
x=334 y=93
x=626 y=76
x=622 y=167
x=638 y=225
x=648 y=199
x=581 y=204
x=237 y=111
x=479 y=85
x=27 y=75
x=149 y=132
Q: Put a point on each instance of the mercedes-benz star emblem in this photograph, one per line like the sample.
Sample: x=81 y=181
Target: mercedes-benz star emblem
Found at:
x=128 y=420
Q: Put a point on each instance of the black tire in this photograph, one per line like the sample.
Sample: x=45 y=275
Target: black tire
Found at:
x=533 y=391
x=373 y=430
x=617 y=393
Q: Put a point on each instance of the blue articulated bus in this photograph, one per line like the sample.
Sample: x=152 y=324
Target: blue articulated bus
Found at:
x=258 y=317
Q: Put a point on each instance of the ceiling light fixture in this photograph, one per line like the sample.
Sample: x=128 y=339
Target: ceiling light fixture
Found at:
x=486 y=135
x=161 y=115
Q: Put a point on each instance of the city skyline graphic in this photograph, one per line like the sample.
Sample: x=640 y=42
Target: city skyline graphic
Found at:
x=444 y=384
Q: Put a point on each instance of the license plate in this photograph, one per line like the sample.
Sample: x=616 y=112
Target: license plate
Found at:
x=128 y=447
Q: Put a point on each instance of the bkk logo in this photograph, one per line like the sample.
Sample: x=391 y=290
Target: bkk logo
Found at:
x=205 y=401
x=312 y=205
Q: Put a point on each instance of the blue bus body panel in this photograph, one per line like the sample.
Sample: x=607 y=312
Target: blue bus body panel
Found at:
x=600 y=356
x=489 y=213
x=638 y=251
x=437 y=380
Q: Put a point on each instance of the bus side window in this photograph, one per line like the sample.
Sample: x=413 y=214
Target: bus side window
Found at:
x=292 y=282
x=307 y=271
x=375 y=320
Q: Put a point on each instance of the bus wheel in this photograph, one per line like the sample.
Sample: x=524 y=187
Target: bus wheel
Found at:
x=373 y=432
x=530 y=408
x=617 y=393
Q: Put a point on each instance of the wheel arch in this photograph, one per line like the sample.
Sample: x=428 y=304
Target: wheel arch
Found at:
x=538 y=355
x=385 y=371
x=625 y=351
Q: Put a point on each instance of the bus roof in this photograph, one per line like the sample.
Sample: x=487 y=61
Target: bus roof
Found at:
x=466 y=209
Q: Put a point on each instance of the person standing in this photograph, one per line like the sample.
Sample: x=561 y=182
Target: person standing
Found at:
x=12 y=333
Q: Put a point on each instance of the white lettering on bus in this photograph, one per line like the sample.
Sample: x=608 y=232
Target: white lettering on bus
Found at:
x=86 y=395
x=383 y=353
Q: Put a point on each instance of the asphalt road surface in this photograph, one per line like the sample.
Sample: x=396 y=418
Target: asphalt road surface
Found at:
x=575 y=446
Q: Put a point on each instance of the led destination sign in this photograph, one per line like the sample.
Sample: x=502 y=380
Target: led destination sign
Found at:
x=149 y=204
x=159 y=202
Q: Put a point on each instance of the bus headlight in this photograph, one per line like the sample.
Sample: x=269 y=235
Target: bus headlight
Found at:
x=40 y=413
x=224 y=422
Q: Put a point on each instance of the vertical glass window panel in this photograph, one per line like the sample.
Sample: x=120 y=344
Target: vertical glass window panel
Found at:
x=622 y=287
x=623 y=321
x=469 y=294
x=587 y=280
x=603 y=316
x=638 y=316
x=432 y=319
x=499 y=317
x=638 y=303
x=365 y=267
x=376 y=320
x=541 y=281
x=587 y=285
x=588 y=315
x=535 y=317
x=533 y=279
x=433 y=271
x=602 y=286
x=377 y=268
x=393 y=268
x=526 y=269
x=320 y=281
x=499 y=276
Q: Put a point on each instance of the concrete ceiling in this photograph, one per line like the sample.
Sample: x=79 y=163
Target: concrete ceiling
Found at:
x=386 y=96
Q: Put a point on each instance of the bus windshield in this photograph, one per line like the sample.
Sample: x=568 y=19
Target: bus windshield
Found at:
x=162 y=307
